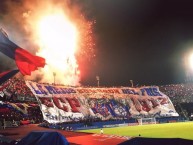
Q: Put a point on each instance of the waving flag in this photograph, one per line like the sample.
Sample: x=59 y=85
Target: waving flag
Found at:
x=25 y=61
x=7 y=75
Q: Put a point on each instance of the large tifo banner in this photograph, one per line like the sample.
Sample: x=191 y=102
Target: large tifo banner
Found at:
x=65 y=104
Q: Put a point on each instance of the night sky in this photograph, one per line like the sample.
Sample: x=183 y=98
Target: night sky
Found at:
x=143 y=41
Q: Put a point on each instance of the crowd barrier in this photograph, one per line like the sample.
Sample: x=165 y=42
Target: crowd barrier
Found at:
x=9 y=124
x=93 y=125
x=108 y=124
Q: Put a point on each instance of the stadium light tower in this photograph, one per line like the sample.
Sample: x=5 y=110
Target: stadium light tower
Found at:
x=54 y=75
x=131 y=81
x=98 y=79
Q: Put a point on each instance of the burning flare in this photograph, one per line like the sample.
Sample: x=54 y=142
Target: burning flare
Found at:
x=64 y=38
x=58 y=39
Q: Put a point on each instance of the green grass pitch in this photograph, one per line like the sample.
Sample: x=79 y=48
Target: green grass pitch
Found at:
x=167 y=130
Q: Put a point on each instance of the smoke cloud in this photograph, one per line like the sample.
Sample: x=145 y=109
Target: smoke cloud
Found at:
x=18 y=17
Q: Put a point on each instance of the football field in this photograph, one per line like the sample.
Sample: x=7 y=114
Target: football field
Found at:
x=167 y=130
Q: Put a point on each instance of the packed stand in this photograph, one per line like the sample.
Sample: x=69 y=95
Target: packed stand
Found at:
x=16 y=91
x=18 y=105
x=181 y=95
x=25 y=107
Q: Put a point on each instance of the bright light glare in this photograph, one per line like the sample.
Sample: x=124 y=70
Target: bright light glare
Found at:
x=63 y=36
x=191 y=61
x=57 y=32
x=58 y=40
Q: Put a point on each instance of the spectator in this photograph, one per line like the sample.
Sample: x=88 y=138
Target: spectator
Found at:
x=101 y=131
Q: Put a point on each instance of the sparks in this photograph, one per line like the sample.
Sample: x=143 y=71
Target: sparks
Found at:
x=63 y=39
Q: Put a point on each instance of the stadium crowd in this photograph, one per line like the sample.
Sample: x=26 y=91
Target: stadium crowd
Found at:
x=16 y=93
x=17 y=90
x=179 y=93
x=181 y=96
x=18 y=104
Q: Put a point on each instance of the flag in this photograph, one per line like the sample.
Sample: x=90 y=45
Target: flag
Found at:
x=25 y=61
x=7 y=75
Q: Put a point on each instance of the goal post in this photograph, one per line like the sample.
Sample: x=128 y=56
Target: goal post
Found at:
x=143 y=121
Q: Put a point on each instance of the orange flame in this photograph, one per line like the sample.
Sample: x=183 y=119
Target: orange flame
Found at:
x=58 y=38
x=63 y=36
x=58 y=42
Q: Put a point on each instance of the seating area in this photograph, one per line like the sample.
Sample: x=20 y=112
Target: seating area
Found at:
x=181 y=96
x=90 y=107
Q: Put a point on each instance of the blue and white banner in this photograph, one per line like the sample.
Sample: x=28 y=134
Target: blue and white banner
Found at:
x=64 y=104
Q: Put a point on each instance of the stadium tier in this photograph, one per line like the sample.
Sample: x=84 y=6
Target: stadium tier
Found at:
x=73 y=104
